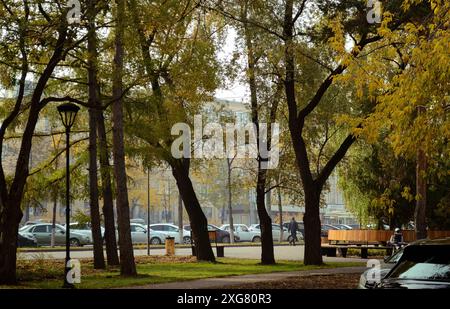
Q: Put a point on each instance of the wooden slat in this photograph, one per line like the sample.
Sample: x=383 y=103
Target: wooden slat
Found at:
x=378 y=235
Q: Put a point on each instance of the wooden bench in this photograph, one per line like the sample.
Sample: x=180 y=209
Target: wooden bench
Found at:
x=333 y=250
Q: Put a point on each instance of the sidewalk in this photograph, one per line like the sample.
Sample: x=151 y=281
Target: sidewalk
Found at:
x=211 y=283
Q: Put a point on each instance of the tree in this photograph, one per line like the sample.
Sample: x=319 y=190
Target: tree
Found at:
x=17 y=23
x=176 y=54
x=99 y=260
x=127 y=264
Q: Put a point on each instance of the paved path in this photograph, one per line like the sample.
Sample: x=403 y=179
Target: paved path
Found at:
x=294 y=253
x=211 y=283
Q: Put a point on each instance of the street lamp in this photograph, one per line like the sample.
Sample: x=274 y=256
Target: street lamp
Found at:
x=68 y=113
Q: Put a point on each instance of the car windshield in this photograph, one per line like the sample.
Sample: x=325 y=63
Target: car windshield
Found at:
x=394 y=258
x=424 y=263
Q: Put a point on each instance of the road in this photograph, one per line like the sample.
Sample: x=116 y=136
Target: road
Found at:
x=294 y=253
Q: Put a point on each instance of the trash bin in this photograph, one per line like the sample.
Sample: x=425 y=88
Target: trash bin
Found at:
x=170 y=246
x=220 y=251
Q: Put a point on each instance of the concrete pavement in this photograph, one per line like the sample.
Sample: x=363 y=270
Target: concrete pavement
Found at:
x=294 y=253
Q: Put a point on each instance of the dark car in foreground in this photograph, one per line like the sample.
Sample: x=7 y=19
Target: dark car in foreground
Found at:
x=367 y=282
x=423 y=265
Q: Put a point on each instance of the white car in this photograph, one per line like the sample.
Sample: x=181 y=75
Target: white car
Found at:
x=276 y=231
x=173 y=231
x=84 y=229
x=139 y=235
x=242 y=231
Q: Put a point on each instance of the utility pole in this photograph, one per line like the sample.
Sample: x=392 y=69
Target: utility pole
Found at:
x=180 y=217
x=148 y=211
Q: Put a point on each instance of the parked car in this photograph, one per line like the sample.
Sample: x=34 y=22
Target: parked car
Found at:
x=424 y=264
x=276 y=231
x=242 y=231
x=138 y=220
x=139 y=235
x=343 y=227
x=84 y=228
x=43 y=234
x=173 y=231
x=26 y=240
x=385 y=267
x=222 y=236
x=325 y=228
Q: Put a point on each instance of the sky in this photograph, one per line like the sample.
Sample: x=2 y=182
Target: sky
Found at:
x=236 y=91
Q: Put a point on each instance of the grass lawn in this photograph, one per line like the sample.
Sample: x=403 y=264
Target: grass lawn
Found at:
x=41 y=273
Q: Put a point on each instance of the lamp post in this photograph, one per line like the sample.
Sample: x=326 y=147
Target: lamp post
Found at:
x=148 y=211
x=68 y=113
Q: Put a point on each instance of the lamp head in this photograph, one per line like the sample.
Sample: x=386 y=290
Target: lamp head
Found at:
x=68 y=112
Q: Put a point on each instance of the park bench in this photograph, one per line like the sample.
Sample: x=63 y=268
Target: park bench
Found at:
x=331 y=250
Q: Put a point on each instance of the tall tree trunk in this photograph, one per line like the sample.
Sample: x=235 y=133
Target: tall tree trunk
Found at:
x=99 y=259
x=197 y=219
x=230 y=207
x=127 y=264
x=267 y=253
x=112 y=256
x=311 y=218
x=312 y=224
x=10 y=225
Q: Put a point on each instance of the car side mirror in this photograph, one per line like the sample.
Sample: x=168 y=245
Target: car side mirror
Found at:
x=62 y=232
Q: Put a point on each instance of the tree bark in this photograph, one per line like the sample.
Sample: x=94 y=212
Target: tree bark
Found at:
x=197 y=219
x=99 y=259
x=127 y=264
x=112 y=256
x=267 y=253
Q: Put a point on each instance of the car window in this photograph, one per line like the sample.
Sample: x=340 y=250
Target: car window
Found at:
x=211 y=228
x=157 y=227
x=140 y=229
x=424 y=263
x=395 y=258
x=133 y=228
x=40 y=229
x=276 y=227
x=226 y=228
x=171 y=228
x=57 y=228
x=244 y=229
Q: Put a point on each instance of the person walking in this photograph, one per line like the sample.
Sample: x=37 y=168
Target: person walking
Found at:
x=293 y=227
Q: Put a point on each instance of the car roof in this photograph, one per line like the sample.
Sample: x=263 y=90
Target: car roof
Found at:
x=432 y=242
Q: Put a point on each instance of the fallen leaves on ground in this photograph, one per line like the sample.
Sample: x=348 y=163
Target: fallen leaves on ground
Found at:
x=325 y=281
